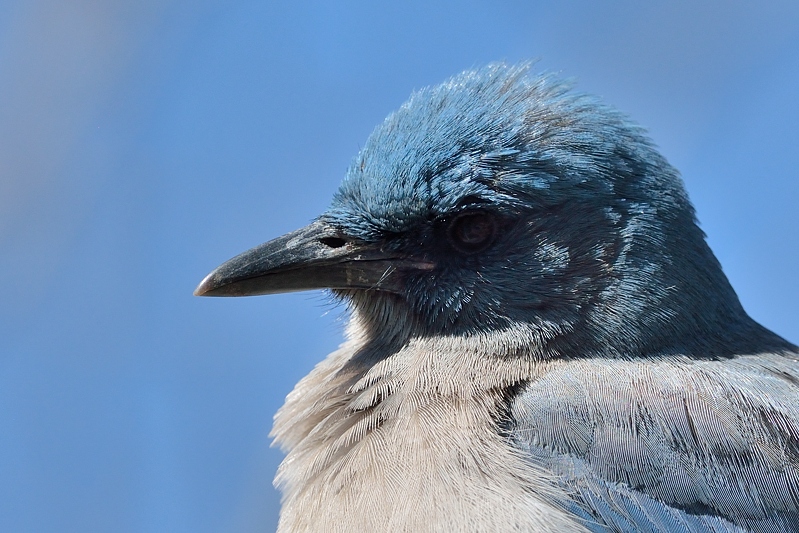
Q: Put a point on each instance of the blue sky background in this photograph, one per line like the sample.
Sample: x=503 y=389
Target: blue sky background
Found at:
x=144 y=142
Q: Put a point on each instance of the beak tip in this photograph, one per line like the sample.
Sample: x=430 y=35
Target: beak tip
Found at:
x=205 y=286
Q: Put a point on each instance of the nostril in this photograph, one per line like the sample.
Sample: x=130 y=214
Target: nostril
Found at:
x=333 y=242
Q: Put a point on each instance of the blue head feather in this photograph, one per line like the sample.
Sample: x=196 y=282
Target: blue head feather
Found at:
x=598 y=243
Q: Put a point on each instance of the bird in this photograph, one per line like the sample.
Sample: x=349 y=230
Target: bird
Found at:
x=539 y=337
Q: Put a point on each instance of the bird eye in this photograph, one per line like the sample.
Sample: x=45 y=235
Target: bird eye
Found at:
x=470 y=233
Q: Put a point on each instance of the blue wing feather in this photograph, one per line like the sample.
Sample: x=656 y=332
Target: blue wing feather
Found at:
x=669 y=445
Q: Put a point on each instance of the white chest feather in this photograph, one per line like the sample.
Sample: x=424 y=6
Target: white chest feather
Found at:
x=401 y=448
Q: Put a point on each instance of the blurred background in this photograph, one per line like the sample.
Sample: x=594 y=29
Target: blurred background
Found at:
x=144 y=142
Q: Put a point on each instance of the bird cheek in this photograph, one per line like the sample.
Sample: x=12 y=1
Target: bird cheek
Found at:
x=552 y=257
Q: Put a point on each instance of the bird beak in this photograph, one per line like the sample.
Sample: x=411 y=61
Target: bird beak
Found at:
x=314 y=257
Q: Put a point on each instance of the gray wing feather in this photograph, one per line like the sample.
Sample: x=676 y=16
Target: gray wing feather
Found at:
x=674 y=444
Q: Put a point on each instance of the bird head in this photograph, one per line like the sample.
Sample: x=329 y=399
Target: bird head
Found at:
x=499 y=200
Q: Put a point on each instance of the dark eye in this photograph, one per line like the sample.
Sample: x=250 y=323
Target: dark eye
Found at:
x=470 y=233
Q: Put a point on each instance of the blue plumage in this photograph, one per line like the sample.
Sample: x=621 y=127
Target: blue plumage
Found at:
x=505 y=223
